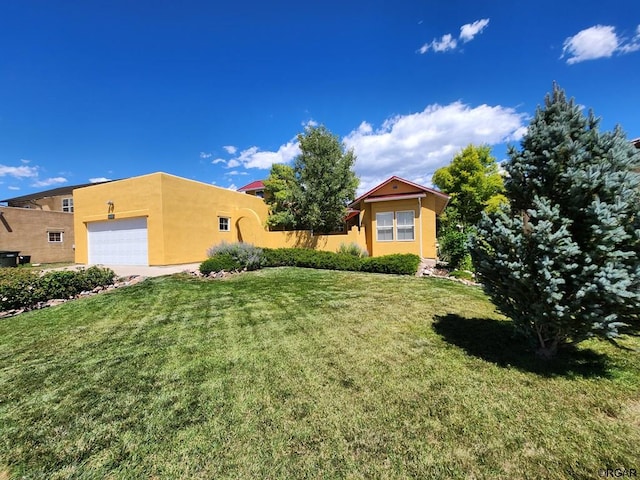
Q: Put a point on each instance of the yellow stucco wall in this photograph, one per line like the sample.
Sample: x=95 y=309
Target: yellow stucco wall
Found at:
x=183 y=219
x=424 y=227
x=182 y=215
x=304 y=239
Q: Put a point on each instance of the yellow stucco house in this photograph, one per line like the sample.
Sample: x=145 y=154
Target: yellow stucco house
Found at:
x=161 y=219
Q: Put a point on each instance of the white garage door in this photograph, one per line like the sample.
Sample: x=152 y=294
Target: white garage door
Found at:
x=118 y=242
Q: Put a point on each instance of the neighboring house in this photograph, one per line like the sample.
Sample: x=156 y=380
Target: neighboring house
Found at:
x=40 y=225
x=399 y=216
x=161 y=219
x=254 y=188
x=636 y=142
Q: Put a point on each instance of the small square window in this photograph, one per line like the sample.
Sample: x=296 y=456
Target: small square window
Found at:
x=67 y=205
x=55 y=237
x=224 y=224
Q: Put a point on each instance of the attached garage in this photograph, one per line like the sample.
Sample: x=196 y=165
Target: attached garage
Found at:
x=118 y=242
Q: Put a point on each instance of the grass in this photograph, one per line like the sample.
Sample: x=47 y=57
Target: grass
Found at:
x=294 y=373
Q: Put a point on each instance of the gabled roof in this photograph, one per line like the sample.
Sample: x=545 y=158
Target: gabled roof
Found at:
x=256 y=185
x=54 y=192
x=636 y=142
x=372 y=193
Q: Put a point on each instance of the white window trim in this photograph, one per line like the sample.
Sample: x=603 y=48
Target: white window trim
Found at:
x=385 y=227
x=412 y=226
x=69 y=206
x=220 y=218
x=50 y=232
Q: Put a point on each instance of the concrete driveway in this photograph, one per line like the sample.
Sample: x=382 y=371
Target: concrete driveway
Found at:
x=129 y=270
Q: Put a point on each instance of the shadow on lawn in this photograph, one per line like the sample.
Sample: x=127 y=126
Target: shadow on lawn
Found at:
x=496 y=341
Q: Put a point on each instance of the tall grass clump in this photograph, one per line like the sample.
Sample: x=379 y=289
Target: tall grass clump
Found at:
x=352 y=249
x=245 y=255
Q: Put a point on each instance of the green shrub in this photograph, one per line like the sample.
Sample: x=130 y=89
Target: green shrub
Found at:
x=397 y=263
x=246 y=255
x=24 y=288
x=403 y=264
x=94 y=277
x=352 y=249
x=17 y=287
x=454 y=250
x=220 y=262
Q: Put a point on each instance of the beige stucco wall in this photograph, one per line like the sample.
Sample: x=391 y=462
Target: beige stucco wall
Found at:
x=182 y=215
x=52 y=204
x=26 y=230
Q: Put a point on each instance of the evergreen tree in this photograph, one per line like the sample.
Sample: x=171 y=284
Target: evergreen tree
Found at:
x=563 y=262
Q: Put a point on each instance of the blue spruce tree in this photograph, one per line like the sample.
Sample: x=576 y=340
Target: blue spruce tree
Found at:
x=563 y=262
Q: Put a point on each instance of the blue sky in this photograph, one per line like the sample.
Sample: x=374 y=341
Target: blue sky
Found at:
x=218 y=91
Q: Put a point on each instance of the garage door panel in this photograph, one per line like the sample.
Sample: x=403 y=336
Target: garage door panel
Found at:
x=118 y=242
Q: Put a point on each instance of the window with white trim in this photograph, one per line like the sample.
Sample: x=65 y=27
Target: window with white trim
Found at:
x=224 y=224
x=54 y=237
x=405 y=225
x=384 y=226
x=67 y=205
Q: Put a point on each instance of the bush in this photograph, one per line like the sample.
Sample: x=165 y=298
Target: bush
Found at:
x=454 y=250
x=220 y=262
x=24 y=288
x=352 y=249
x=400 y=264
x=246 y=255
x=17 y=287
x=403 y=264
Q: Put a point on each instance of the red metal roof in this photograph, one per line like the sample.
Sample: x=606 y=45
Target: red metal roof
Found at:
x=371 y=192
x=256 y=185
x=351 y=214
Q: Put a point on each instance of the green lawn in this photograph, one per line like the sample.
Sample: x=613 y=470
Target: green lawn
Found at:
x=294 y=373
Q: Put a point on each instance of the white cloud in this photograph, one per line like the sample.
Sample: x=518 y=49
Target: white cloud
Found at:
x=205 y=155
x=599 y=41
x=232 y=187
x=99 y=180
x=11 y=187
x=253 y=157
x=470 y=30
x=49 y=181
x=18 y=172
x=236 y=172
x=231 y=150
x=413 y=146
x=219 y=160
x=448 y=42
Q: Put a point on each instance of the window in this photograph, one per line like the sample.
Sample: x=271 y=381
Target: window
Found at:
x=405 y=225
x=55 y=237
x=384 y=226
x=67 y=205
x=224 y=224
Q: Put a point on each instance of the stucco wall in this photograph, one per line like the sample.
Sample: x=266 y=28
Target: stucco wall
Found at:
x=182 y=215
x=26 y=230
x=304 y=239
